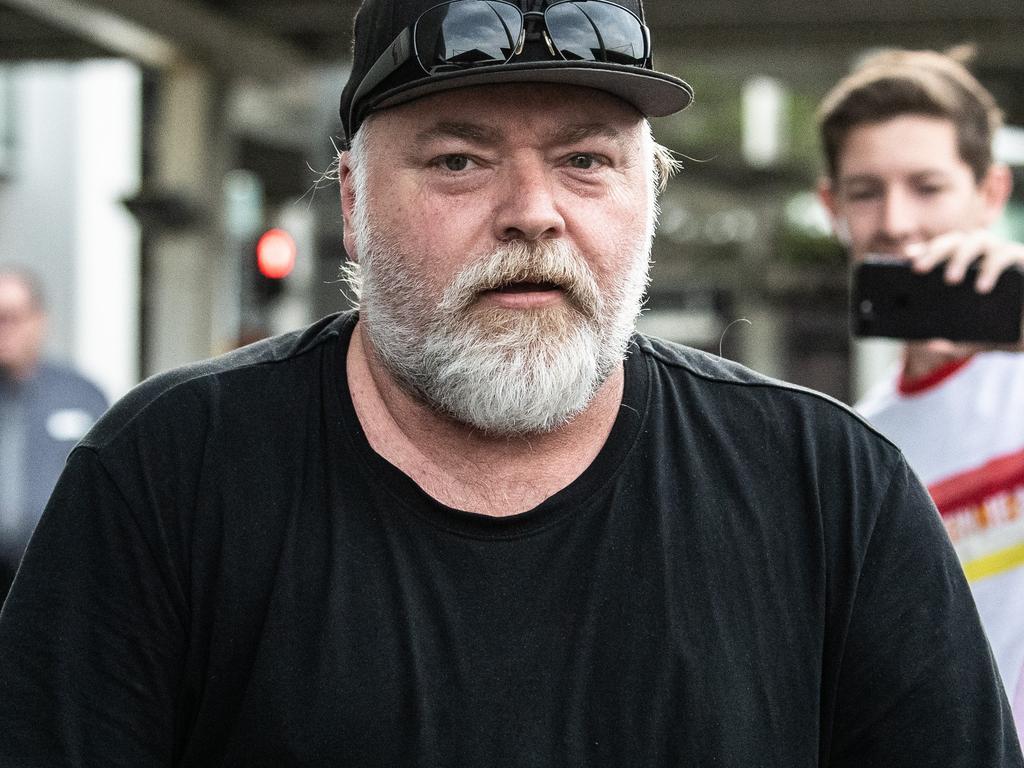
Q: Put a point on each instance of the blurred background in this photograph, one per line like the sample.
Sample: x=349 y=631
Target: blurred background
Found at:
x=146 y=147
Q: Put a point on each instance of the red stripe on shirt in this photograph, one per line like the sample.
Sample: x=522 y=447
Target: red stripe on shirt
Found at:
x=973 y=487
x=909 y=386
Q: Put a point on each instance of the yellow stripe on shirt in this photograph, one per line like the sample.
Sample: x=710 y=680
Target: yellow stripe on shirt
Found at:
x=998 y=562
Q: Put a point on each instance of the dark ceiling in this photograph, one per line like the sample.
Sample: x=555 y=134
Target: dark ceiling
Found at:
x=24 y=36
x=319 y=29
x=806 y=42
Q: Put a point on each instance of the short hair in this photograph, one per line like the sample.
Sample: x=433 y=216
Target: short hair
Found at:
x=892 y=83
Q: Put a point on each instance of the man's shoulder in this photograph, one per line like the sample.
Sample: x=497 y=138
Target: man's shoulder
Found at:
x=714 y=370
x=259 y=371
x=737 y=393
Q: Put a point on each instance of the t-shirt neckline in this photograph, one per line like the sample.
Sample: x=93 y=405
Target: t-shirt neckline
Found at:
x=920 y=384
x=603 y=469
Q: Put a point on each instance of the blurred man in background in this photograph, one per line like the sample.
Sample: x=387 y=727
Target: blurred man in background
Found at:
x=45 y=408
x=908 y=142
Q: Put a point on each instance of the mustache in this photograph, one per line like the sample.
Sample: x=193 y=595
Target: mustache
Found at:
x=550 y=262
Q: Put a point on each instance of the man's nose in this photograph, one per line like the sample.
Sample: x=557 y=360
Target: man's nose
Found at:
x=898 y=215
x=528 y=209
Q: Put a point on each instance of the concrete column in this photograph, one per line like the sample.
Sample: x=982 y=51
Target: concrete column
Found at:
x=759 y=337
x=185 y=264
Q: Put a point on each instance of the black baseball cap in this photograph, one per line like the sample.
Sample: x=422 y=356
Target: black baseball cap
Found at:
x=380 y=26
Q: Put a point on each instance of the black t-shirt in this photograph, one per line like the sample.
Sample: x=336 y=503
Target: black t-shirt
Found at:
x=746 y=575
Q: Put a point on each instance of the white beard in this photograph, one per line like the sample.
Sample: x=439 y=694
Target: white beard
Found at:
x=504 y=372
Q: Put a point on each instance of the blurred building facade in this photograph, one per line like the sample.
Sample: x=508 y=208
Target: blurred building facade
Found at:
x=145 y=145
x=71 y=134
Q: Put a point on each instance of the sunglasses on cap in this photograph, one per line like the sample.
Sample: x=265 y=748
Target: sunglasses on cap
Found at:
x=463 y=34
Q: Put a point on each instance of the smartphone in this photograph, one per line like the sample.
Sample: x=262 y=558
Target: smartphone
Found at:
x=887 y=298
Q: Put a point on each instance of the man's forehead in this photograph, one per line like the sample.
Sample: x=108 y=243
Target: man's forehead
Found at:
x=906 y=144
x=490 y=115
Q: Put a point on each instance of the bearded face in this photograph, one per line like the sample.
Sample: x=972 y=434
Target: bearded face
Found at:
x=500 y=371
x=504 y=252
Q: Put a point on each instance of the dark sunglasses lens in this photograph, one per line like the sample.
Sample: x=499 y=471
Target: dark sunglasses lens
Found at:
x=590 y=30
x=467 y=33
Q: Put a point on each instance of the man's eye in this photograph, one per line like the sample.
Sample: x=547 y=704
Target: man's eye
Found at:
x=454 y=162
x=582 y=161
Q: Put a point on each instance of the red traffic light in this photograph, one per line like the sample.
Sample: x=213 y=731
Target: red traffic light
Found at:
x=275 y=254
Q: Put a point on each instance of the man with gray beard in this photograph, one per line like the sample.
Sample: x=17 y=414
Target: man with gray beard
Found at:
x=479 y=521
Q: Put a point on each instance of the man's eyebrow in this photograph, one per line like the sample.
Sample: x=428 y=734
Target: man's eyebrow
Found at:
x=572 y=134
x=870 y=178
x=930 y=173
x=858 y=178
x=447 y=129
x=568 y=135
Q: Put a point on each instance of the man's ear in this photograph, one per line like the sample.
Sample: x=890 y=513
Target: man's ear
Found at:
x=995 y=189
x=346 y=183
x=827 y=196
x=830 y=201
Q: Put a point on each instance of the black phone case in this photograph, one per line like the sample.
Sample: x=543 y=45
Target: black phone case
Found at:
x=889 y=299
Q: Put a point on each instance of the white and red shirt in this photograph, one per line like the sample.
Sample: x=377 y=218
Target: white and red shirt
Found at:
x=962 y=430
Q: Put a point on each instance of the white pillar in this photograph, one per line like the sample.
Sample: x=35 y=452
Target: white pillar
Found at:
x=107 y=158
x=873 y=361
